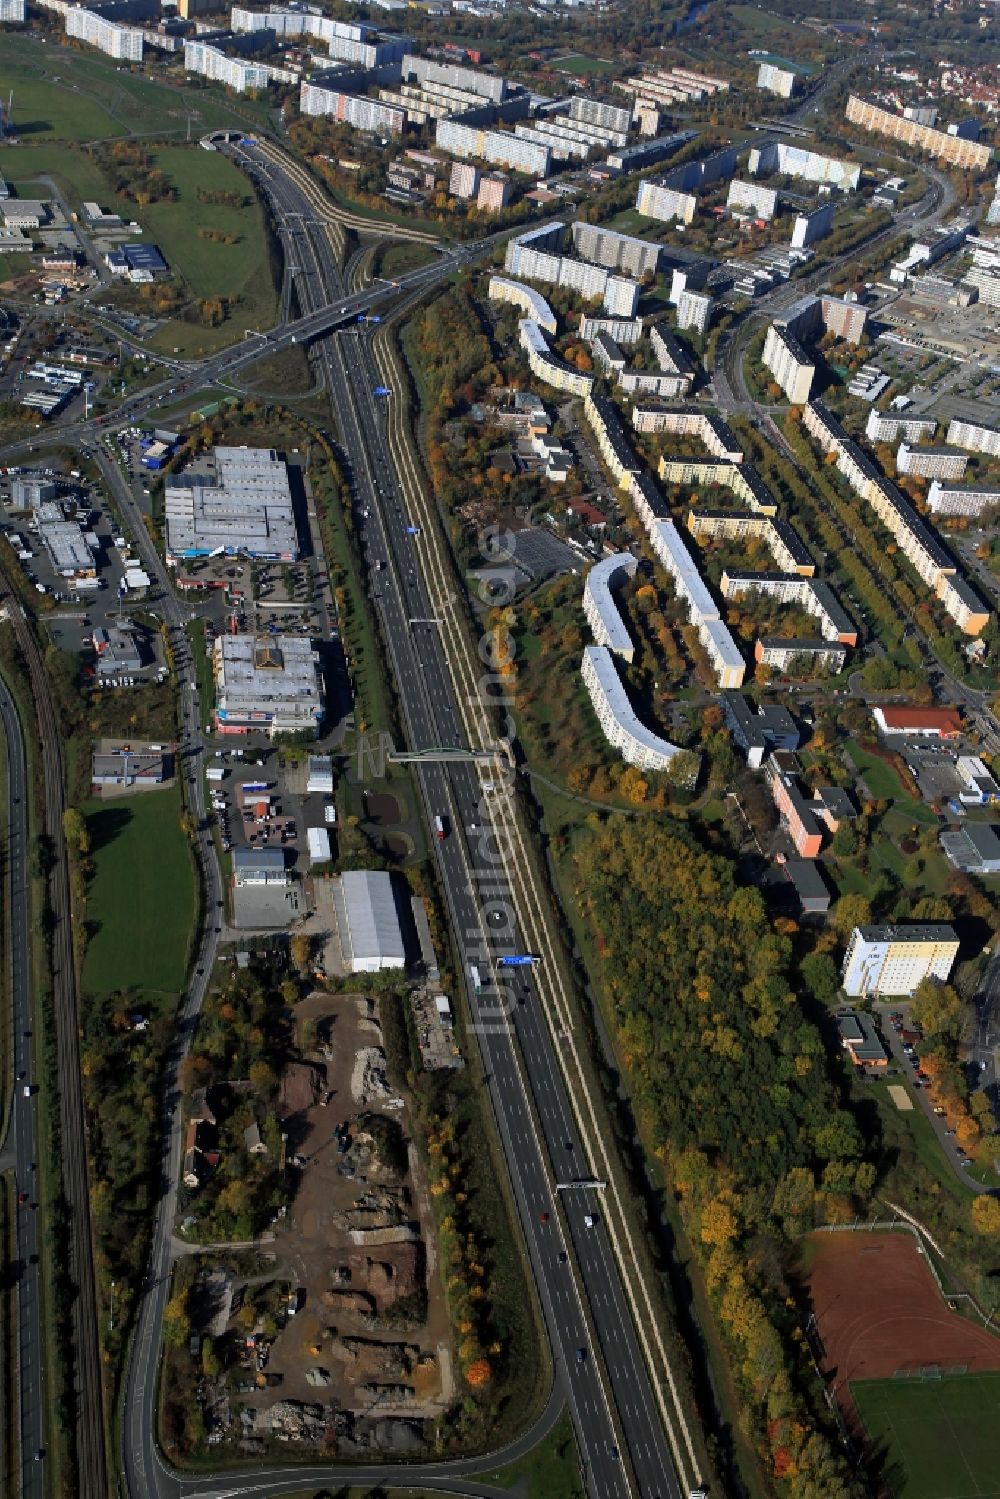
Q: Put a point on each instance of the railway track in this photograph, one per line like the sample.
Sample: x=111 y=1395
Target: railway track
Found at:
x=92 y=1473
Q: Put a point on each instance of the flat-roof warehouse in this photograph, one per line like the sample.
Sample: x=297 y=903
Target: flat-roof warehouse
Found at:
x=270 y=683
x=371 y=936
x=243 y=506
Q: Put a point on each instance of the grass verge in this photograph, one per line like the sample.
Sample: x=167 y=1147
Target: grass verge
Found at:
x=550 y=1471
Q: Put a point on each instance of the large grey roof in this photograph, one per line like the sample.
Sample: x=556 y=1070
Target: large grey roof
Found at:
x=372 y=918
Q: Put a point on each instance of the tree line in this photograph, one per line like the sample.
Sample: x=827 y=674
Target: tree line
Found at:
x=731 y=1080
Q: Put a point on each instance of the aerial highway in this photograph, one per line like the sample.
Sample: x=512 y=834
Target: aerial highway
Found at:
x=19 y=1151
x=609 y=1389
x=341 y=310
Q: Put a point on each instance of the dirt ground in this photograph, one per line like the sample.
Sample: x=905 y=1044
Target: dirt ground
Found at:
x=358 y=1238
x=382 y=807
x=878 y=1310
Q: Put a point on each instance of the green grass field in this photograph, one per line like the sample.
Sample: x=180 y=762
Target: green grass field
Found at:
x=142 y=895
x=550 y=1471
x=44 y=110
x=937 y=1439
x=208 y=268
x=79 y=95
x=578 y=64
x=74 y=172
x=885 y=785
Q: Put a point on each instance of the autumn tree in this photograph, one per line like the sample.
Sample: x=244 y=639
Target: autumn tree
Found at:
x=986 y=1215
x=850 y=911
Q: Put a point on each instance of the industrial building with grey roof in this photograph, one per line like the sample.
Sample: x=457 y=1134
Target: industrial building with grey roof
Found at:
x=240 y=504
x=368 y=921
x=271 y=683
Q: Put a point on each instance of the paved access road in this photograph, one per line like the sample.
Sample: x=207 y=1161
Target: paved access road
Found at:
x=19 y=1152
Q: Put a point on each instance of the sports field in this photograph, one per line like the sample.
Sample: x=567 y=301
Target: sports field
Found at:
x=580 y=63
x=141 y=899
x=934 y=1439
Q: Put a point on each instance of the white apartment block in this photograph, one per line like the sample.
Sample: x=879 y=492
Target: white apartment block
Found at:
x=13 y=12
x=960 y=499
x=464 y=180
x=620 y=295
x=795 y=161
x=763 y=201
x=612 y=443
x=352 y=109
x=742 y=478
x=600 y=607
x=622 y=330
x=892 y=960
x=617 y=252
x=789 y=363
x=986 y=280
x=565 y=145
x=775 y=80
x=915 y=540
x=811 y=594
x=885 y=426
x=703 y=612
x=784 y=651
x=543 y=363
x=694 y=310
x=347 y=41
x=594 y=112
x=976 y=436
x=654 y=383
x=717 y=435
x=657 y=201
x=931 y=463
x=623 y=730
x=234 y=72
x=778 y=536
x=962 y=603
x=499 y=147
x=121 y=42
x=527 y=299
x=809 y=227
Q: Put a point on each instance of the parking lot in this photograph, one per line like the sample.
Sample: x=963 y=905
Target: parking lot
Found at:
x=261 y=801
x=83 y=605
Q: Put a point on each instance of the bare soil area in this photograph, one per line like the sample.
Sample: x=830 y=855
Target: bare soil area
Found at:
x=370 y=1330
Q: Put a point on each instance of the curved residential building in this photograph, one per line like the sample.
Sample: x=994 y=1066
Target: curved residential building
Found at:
x=638 y=745
x=547 y=366
x=600 y=607
x=531 y=302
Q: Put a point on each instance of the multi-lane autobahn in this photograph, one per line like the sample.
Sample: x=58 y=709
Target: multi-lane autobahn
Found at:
x=597 y=1356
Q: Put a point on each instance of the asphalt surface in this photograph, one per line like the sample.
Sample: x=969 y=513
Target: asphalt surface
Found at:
x=19 y=1153
x=622 y=1443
